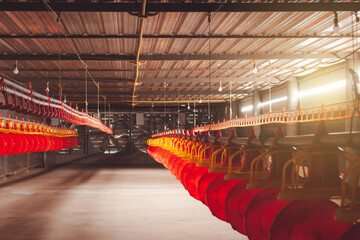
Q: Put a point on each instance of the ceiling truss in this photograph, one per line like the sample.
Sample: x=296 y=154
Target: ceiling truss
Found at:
x=172 y=57
x=181 y=7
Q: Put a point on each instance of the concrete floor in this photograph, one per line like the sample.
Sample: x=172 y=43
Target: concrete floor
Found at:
x=105 y=203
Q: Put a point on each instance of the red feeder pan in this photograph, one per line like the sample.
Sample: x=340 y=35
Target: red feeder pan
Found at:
x=310 y=220
x=172 y=160
x=166 y=158
x=236 y=204
x=352 y=233
x=204 y=183
x=2 y=144
x=261 y=212
x=10 y=145
x=185 y=171
x=217 y=193
x=192 y=181
x=18 y=144
x=178 y=167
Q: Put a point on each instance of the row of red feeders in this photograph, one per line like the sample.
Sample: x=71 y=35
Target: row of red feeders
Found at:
x=26 y=101
x=17 y=137
x=265 y=192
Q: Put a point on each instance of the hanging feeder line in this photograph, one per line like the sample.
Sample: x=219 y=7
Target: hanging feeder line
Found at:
x=17 y=137
x=212 y=168
x=300 y=116
x=50 y=107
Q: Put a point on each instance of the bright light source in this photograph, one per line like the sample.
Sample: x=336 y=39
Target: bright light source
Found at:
x=16 y=70
x=274 y=101
x=188 y=107
x=200 y=101
x=220 y=88
x=255 y=70
x=336 y=28
x=247 y=108
x=324 y=88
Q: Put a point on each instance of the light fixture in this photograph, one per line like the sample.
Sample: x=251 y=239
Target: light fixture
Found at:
x=324 y=88
x=255 y=70
x=336 y=28
x=200 y=101
x=188 y=107
x=247 y=108
x=16 y=70
x=274 y=101
x=220 y=88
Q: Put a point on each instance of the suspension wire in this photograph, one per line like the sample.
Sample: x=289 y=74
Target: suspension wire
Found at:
x=194 y=115
x=270 y=107
x=59 y=58
x=178 y=108
x=230 y=102
x=165 y=100
x=98 y=100
x=105 y=110
x=73 y=45
x=86 y=90
x=109 y=114
x=203 y=31
x=209 y=90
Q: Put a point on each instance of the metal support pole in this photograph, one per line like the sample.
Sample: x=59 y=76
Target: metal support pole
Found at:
x=86 y=141
x=355 y=126
x=4 y=163
x=130 y=131
x=292 y=129
x=27 y=162
x=257 y=110
x=45 y=160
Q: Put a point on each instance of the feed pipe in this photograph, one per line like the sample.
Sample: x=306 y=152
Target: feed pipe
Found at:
x=333 y=139
x=93 y=122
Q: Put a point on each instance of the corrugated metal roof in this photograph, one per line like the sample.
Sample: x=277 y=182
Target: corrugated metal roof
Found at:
x=113 y=75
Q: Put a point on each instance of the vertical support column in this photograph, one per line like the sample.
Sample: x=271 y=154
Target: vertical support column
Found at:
x=27 y=162
x=151 y=121
x=236 y=109
x=45 y=160
x=4 y=165
x=130 y=132
x=257 y=110
x=349 y=97
x=292 y=129
x=86 y=140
